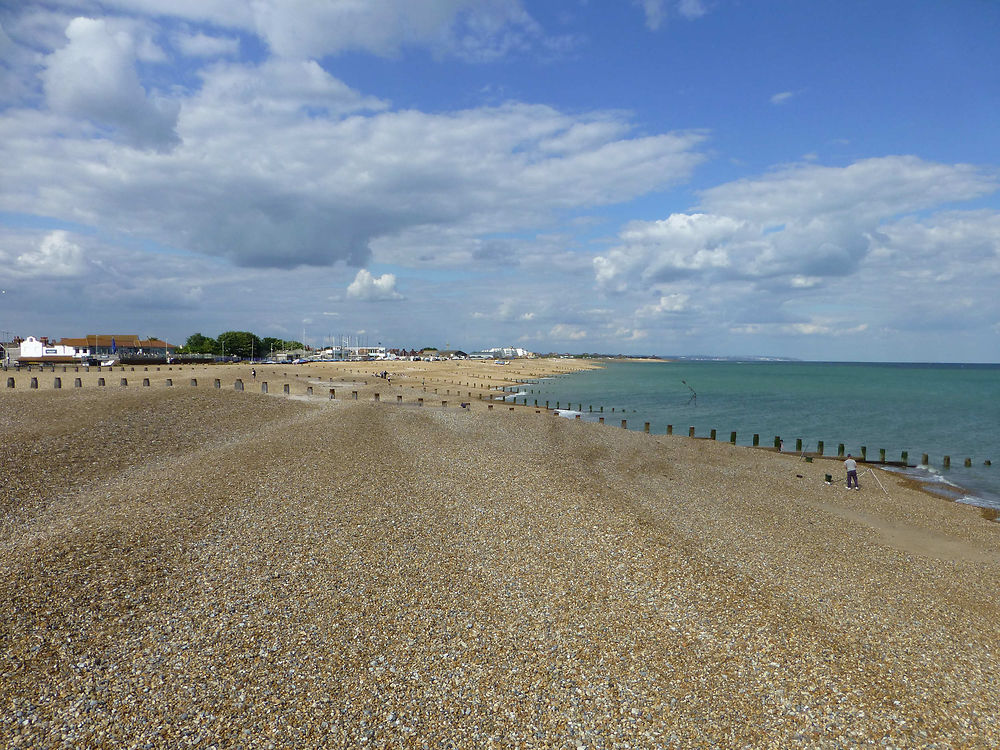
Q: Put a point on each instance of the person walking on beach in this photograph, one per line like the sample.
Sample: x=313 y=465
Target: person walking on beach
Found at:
x=253 y=373
x=852 y=472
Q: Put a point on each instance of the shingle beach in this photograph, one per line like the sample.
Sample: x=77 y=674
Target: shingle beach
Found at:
x=202 y=567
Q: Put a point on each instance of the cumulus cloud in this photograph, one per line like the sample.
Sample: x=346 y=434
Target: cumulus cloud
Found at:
x=94 y=77
x=782 y=97
x=369 y=288
x=56 y=255
x=791 y=228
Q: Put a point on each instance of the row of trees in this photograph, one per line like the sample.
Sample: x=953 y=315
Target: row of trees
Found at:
x=242 y=344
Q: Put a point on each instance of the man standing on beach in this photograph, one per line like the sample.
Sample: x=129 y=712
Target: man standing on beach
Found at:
x=852 y=472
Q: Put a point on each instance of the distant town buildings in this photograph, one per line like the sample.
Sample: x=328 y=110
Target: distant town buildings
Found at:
x=93 y=348
x=129 y=348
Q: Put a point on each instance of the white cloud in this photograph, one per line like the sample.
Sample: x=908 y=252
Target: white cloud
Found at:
x=369 y=288
x=792 y=228
x=203 y=45
x=782 y=97
x=56 y=255
x=94 y=77
x=669 y=303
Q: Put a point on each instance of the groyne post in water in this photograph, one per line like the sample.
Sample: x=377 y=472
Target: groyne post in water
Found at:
x=864 y=452
x=732 y=437
x=840 y=450
x=819 y=447
x=670 y=429
x=798 y=445
x=756 y=439
x=712 y=433
x=947 y=462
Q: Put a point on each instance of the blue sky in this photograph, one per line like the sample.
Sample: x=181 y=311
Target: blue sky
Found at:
x=815 y=180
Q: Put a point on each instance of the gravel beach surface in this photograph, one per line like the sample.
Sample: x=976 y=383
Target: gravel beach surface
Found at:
x=203 y=567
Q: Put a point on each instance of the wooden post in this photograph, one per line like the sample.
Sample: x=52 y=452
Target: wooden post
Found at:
x=840 y=450
x=864 y=452
x=670 y=429
x=124 y=382
x=691 y=431
x=819 y=447
x=732 y=438
x=712 y=434
x=881 y=455
x=924 y=459
x=756 y=439
x=904 y=458
x=646 y=428
x=777 y=442
x=624 y=424
x=798 y=445
x=968 y=462
x=947 y=462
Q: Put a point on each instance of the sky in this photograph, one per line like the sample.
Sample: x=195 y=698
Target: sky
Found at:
x=815 y=180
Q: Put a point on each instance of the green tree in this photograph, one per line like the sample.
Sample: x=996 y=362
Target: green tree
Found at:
x=242 y=344
x=198 y=344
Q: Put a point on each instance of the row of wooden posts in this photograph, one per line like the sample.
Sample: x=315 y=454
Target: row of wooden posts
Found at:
x=239 y=386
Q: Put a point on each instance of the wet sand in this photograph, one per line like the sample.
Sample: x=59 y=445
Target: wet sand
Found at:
x=192 y=566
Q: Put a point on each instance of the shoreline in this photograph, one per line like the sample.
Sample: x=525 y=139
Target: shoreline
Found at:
x=450 y=379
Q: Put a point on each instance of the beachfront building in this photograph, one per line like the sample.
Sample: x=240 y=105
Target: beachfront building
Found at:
x=507 y=352
x=95 y=348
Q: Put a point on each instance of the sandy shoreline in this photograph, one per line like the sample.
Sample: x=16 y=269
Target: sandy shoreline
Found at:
x=188 y=566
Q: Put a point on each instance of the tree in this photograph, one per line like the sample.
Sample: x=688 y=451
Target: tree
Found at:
x=198 y=344
x=242 y=344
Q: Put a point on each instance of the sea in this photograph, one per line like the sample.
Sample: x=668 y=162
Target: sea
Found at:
x=939 y=410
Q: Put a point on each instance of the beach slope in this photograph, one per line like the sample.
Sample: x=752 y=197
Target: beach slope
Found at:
x=197 y=567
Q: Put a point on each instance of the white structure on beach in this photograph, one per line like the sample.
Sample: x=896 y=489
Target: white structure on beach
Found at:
x=508 y=352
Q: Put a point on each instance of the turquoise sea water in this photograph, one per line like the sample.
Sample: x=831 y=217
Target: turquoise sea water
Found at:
x=941 y=410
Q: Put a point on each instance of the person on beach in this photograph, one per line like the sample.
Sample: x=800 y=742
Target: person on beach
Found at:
x=253 y=373
x=852 y=472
